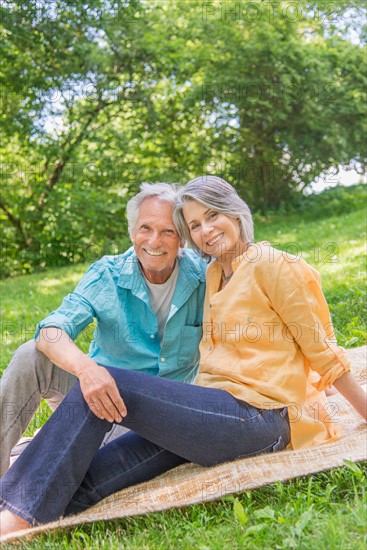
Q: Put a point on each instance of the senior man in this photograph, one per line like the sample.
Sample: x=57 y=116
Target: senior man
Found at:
x=147 y=304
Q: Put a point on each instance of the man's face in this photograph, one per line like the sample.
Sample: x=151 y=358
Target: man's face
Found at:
x=156 y=240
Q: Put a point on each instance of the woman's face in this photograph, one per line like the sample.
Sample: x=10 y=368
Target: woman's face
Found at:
x=215 y=233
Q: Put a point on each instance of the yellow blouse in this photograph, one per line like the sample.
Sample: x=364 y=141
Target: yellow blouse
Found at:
x=268 y=340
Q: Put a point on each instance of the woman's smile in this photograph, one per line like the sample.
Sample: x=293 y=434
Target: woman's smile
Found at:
x=214 y=240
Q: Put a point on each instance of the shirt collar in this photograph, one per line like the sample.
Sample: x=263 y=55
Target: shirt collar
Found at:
x=190 y=274
x=250 y=255
x=130 y=270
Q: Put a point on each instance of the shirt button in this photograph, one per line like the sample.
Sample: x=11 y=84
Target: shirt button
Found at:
x=210 y=348
x=250 y=319
x=162 y=359
x=152 y=336
x=210 y=305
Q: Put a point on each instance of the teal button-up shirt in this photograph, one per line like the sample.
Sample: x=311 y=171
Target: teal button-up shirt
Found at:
x=114 y=293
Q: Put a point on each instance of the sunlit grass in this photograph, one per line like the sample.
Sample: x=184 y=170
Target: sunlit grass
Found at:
x=27 y=299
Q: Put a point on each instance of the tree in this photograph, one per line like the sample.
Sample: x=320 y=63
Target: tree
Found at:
x=286 y=94
x=98 y=97
x=79 y=71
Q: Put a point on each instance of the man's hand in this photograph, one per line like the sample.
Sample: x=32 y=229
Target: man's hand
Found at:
x=101 y=393
x=98 y=387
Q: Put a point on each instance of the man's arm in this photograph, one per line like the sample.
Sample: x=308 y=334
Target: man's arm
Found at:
x=98 y=387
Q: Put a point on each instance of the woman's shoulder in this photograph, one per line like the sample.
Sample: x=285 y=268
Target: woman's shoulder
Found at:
x=272 y=261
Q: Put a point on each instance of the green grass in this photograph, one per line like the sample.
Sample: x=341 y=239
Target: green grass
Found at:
x=324 y=511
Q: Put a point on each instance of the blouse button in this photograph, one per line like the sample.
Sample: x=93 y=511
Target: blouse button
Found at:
x=152 y=336
x=210 y=348
x=250 y=319
x=162 y=359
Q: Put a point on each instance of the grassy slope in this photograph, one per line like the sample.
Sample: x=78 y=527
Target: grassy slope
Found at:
x=326 y=510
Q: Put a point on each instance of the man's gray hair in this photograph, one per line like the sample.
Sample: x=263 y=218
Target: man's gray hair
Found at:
x=219 y=195
x=163 y=191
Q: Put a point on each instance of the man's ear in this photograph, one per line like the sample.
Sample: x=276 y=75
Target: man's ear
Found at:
x=182 y=244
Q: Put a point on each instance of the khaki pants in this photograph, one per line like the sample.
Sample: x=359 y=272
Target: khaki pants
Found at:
x=30 y=377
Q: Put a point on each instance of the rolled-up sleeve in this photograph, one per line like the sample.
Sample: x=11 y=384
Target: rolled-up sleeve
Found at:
x=76 y=311
x=298 y=298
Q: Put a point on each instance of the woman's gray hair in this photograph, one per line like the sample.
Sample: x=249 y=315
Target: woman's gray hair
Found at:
x=219 y=195
x=163 y=191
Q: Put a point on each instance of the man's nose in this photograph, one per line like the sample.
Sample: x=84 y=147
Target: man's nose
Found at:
x=155 y=239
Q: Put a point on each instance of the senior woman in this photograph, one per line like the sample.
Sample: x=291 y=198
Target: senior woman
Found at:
x=267 y=354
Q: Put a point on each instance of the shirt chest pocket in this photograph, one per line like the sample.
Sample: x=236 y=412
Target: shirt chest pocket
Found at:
x=248 y=331
x=246 y=338
x=189 y=345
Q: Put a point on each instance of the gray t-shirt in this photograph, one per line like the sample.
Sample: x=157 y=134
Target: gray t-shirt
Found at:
x=161 y=298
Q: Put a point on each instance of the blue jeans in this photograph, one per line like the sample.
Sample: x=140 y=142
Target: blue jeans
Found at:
x=63 y=471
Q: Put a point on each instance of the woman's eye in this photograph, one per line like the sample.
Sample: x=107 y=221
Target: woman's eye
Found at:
x=213 y=215
x=194 y=226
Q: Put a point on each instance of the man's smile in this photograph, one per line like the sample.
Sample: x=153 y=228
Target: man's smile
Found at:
x=154 y=252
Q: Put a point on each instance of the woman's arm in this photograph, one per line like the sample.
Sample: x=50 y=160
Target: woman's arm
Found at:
x=296 y=296
x=348 y=386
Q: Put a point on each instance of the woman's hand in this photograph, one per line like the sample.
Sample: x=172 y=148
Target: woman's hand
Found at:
x=348 y=386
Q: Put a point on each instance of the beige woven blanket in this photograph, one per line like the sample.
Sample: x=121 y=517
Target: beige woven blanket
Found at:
x=190 y=484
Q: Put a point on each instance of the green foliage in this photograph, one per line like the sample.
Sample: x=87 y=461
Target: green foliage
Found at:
x=239 y=512
x=98 y=97
x=332 y=202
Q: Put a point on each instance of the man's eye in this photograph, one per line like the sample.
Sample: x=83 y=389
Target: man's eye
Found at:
x=213 y=215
